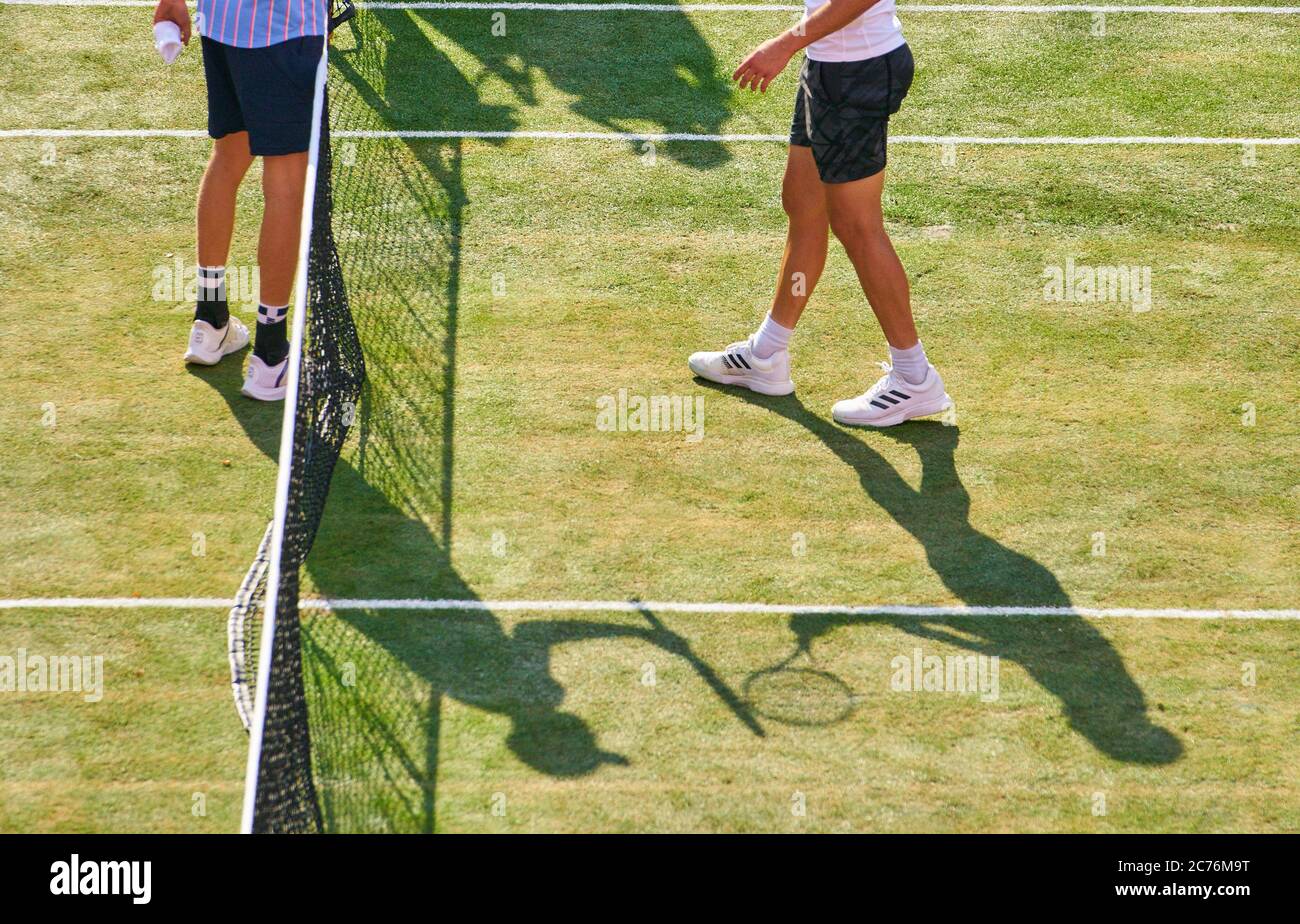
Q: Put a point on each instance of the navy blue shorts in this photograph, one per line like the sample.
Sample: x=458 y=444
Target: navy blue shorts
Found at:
x=267 y=92
x=842 y=112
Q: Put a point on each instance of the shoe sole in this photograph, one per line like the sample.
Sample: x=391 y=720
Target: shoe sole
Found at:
x=743 y=381
x=256 y=394
x=893 y=420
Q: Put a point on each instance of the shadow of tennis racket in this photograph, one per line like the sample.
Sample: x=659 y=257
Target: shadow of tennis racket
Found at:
x=807 y=697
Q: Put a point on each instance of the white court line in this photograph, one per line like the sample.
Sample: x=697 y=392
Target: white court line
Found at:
x=1012 y=140
x=101 y=132
x=117 y=603
x=756 y=7
x=654 y=606
x=896 y=139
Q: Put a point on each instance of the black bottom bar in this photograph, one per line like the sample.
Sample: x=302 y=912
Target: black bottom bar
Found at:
x=937 y=874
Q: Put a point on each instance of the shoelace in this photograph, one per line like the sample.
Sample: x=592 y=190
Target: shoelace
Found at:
x=882 y=383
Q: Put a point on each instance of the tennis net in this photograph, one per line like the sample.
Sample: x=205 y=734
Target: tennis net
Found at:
x=325 y=375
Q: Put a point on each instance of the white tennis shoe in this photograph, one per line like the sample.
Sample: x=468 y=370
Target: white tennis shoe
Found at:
x=737 y=365
x=209 y=344
x=893 y=400
x=263 y=382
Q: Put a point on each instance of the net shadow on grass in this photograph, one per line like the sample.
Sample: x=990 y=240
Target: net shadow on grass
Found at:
x=1067 y=656
x=376 y=681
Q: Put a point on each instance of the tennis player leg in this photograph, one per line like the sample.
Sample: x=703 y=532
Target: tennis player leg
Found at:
x=261 y=82
x=848 y=105
x=283 y=181
x=214 y=334
x=911 y=386
x=762 y=362
x=857 y=72
x=274 y=88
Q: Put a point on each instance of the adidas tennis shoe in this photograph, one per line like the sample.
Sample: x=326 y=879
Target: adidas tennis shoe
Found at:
x=209 y=344
x=737 y=365
x=893 y=400
x=263 y=382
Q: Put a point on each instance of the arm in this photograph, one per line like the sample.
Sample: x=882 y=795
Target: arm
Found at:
x=174 y=11
x=769 y=59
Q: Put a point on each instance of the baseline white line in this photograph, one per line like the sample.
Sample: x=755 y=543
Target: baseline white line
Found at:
x=1010 y=140
x=656 y=606
x=48 y=133
x=1176 y=9
x=116 y=603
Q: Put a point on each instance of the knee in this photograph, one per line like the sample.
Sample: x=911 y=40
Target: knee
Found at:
x=283 y=176
x=230 y=168
x=854 y=227
x=223 y=164
x=279 y=193
x=232 y=148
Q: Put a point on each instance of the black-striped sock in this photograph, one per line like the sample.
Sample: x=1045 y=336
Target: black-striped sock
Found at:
x=211 y=304
x=271 y=345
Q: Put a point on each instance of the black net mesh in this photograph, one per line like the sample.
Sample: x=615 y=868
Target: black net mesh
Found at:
x=330 y=381
x=360 y=755
x=376 y=679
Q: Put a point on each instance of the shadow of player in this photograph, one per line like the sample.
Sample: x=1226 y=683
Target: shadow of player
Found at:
x=376 y=680
x=1066 y=655
x=666 y=75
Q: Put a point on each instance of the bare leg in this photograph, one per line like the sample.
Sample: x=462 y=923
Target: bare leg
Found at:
x=764 y=366
x=283 y=178
x=856 y=219
x=216 y=212
x=807 y=239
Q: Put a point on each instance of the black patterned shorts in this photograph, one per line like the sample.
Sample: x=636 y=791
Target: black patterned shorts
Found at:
x=842 y=112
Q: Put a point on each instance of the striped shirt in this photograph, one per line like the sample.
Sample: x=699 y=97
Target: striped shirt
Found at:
x=258 y=23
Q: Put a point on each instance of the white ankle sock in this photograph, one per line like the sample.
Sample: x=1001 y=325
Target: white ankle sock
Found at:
x=770 y=338
x=911 y=363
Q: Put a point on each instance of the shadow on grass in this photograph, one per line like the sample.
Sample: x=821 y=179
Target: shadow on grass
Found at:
x=1067 y=656
x=376 y=680
x=665 y=76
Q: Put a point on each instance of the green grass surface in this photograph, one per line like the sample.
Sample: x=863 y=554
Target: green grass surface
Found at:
x=533 y=278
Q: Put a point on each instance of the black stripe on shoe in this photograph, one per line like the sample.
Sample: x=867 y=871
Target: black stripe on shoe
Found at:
x=895 y=391
x=889 y=399
x=741 y=360
x=883 y=407
x=726 y=362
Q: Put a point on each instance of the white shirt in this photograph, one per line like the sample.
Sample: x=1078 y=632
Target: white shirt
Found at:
x=875 y=32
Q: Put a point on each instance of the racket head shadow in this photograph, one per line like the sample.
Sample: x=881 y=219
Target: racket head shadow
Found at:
x=799 y=696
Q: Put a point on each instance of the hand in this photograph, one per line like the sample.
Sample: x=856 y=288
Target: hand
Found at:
x=174 y=11
x=763 y=64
